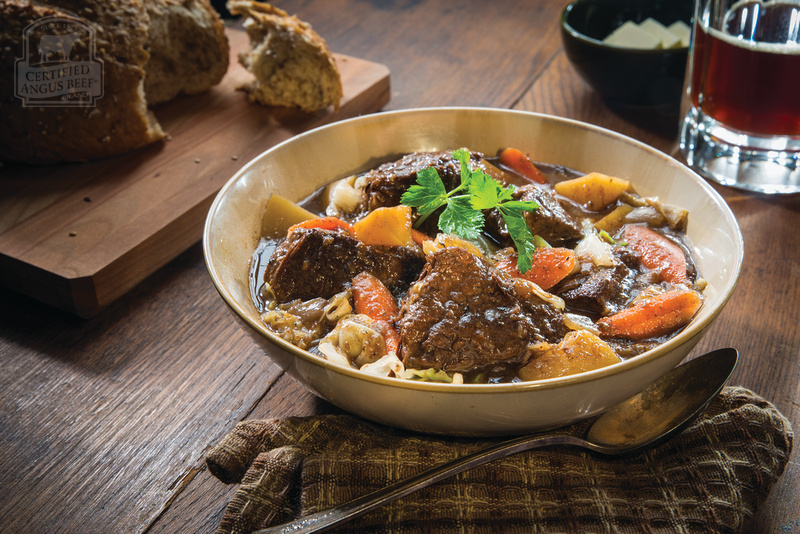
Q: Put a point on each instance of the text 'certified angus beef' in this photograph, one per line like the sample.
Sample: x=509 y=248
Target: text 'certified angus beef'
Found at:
x=458 y=267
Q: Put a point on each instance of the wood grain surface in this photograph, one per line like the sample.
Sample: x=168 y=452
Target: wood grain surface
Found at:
x=104 y=422
x=80 y=236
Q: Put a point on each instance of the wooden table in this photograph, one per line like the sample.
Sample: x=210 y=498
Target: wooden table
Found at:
x=104 y=422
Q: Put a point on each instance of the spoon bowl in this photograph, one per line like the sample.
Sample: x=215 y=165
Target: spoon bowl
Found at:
x=660 y=411
x=664 y=407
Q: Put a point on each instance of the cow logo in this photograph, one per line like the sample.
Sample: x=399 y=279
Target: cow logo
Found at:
x=59 y=68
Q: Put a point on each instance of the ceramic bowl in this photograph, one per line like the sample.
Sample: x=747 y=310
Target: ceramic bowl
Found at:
x=304 y=163
x=627 y=78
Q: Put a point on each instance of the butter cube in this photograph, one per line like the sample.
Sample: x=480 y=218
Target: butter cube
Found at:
x=682 y=31
x=667 y=38
x=630 y=35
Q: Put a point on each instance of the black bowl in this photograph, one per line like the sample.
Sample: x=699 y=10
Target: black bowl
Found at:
x=626 y=78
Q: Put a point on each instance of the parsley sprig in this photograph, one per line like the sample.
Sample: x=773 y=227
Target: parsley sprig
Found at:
x=464 y=205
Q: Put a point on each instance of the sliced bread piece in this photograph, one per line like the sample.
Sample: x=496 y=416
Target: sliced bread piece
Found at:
x=188 y=49
x=291 y=63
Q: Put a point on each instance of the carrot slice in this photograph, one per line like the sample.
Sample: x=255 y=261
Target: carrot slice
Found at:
x=658 y=253
x=652 y=317
x=515 y=159
x=373 y=299
x=325 y=223
x=390 y=336
x=548 y=266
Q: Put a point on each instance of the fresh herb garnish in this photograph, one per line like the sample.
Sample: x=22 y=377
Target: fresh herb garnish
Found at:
x=464 y=205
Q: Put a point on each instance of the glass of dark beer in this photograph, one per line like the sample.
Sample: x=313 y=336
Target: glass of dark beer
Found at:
x=741 y=108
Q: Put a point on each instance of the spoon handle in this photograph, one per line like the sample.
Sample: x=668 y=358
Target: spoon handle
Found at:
x=327 y=519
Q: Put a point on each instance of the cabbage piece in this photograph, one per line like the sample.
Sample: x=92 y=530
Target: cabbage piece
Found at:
x=428 y=375
x=388 y=365
x=291 y=328
x=303 y=323
x=357 y=339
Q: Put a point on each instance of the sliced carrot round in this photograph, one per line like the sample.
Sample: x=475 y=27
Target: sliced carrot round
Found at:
x=513 y=158
x=548 y=266
x=657 y=253
x=652 y=317
x=373 y=299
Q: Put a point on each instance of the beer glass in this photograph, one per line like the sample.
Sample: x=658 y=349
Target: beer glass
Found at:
x=741 y=107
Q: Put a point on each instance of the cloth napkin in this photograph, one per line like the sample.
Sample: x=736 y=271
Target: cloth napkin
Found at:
x=710 y=478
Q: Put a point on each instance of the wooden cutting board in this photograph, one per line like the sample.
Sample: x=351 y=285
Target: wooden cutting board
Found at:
x=78 y=236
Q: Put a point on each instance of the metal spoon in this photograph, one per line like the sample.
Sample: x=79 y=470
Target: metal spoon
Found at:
x=660 y=411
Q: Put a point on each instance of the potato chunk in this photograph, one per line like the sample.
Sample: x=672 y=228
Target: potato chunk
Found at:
x=578 y=352
x=595 y=191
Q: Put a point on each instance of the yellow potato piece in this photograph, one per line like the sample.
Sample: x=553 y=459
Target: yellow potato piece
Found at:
x=578 y=352
x=595 y=191
x=386 y=226
x=280 y=214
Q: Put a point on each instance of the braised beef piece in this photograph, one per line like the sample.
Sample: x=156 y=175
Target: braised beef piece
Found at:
x=320 y=263
x=604 y=290
x=462 y=315
x=387 y=183
x=597 y=290
x=550 y=221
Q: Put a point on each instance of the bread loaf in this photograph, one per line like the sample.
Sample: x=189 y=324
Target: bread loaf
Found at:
x=291 y=63
x=152 y=47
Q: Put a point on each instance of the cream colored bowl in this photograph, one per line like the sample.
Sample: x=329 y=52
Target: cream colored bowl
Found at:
x=299 y=166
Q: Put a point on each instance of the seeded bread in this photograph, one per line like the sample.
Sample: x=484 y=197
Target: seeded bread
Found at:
x=188 y=49
x=127 y=36
x=291 y=63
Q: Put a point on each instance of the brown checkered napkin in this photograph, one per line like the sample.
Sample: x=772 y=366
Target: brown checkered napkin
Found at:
x=711 y=478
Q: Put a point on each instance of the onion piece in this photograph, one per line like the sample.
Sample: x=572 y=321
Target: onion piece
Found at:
x=342 y=197
x=387 y=365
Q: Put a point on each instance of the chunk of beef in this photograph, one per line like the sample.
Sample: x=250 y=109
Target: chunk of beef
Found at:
x=596 y=290
x=387 y=183
x=601 y=290
x=550 y=220
x=462 y=315
x=320 y=263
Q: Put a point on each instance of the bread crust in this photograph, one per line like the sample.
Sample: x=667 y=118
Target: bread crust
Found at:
x=117 y=122
x=291 y=64
x=189 y=51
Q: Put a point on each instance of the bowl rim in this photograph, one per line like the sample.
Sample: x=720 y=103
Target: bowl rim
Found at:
x=692 y=330
x=602 y=44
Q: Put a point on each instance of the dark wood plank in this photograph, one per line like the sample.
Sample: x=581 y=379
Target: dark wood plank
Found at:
x=201 y=504
x=466 y=53
x=103 y=420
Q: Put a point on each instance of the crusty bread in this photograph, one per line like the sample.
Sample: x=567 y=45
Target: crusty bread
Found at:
x=291 y=63
x=119 y=121
x=188 y=49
